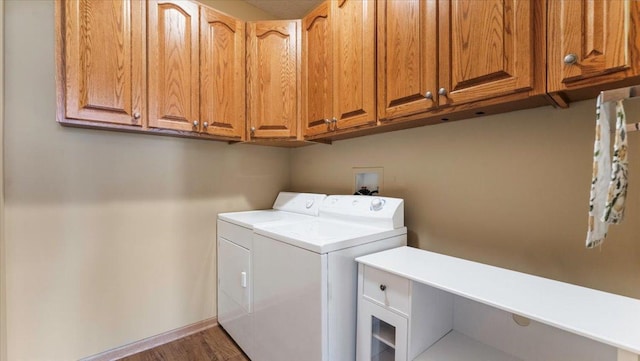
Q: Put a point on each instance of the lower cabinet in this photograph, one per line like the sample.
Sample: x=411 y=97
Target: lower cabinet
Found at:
x=383 y=336
x=400 y=319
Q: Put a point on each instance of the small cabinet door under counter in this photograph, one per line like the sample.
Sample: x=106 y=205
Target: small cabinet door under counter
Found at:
x=415 y=305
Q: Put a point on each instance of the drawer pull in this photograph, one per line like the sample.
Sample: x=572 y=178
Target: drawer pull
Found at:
x=383 y=287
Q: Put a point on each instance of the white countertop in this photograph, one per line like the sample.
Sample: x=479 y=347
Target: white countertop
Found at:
x=601 y=316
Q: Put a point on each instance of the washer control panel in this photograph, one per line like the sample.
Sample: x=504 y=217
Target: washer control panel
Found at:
x=373 y=210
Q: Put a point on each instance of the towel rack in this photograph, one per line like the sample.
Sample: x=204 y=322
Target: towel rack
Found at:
x=621 y=94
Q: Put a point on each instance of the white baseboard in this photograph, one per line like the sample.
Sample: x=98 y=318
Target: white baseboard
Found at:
x=153 y=341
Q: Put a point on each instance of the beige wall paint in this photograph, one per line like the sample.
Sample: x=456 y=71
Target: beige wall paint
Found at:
x=110 y=236
x=510 y=190
x=239 y=9
x=3 y=298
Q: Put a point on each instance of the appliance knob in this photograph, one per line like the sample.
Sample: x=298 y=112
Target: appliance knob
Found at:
x=309 y=203
x=377 y=204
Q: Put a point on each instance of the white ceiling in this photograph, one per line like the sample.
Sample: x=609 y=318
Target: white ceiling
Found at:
x=286 y=9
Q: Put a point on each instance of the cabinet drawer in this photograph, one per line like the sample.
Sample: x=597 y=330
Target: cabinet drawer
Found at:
x=387 y=289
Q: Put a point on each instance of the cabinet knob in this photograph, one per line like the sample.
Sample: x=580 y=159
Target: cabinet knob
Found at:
x=383 y=287
x=570 y=59
x=428 y=95
x=327 y=121
x=253 y=130
x=205 y=124
x=334 y=120
x=136 y=115
x=442 y=91
x=195 y=123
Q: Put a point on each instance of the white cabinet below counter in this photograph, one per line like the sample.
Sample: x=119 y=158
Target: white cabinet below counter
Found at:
x=415 y=305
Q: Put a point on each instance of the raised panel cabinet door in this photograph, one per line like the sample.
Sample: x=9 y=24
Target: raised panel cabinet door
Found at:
x=222 y=69
x=273 y=78
x=588 y=39
x=485 y=49
x=407 y=60
x=354 y=63
x=104 y=61
x=317 y=67
x=173 y=65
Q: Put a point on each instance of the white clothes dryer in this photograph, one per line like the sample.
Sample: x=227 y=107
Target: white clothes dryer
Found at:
x=235 y=253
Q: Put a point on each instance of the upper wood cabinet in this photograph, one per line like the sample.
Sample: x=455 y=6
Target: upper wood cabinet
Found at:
x=438 y=53
x=485 y=49
x=407 y=57
x=592 y=42
x=354 y=63
x=273 y=79
x=222 y=69
x=104 y=76
x=174 y=83
x=196 y=69
x=317 y=71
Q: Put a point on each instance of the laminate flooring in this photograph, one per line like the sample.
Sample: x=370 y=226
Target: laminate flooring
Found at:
x=213 y=344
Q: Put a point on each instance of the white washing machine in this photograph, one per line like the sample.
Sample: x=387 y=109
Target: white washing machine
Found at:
x=235 y=248
x=305 y=277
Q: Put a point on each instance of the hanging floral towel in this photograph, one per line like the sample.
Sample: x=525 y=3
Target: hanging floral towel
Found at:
x=601 y=165
x=608 y=185
x=614 y=208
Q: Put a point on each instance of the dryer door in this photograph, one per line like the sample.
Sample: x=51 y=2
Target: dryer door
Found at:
x=234 y=293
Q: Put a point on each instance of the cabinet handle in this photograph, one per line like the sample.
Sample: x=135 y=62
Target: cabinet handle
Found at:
x=136 y=115
x=195 y=123
x=205 y=124
x=383 y=287
x=442 y=91
x=428 y=95
x=570 y=59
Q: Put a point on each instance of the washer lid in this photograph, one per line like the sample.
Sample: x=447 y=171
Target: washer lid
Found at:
x=249 y=219
x=322 y=235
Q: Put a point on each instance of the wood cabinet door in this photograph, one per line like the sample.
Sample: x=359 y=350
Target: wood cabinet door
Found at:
x=594 y=37
x=104 y=59
x=407 y=61
x=273 y=78
x=173 y=65
x=222 y=69
x=317 y=71
x=485 y=49
x=354 y=63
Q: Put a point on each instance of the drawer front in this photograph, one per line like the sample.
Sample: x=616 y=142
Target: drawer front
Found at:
x=387 y=289
x=236 y=234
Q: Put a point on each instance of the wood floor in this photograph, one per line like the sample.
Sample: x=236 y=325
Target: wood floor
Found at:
x=209 y=345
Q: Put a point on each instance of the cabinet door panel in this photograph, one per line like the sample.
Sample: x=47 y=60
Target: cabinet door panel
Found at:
x=486 y=49
x=354 y=61
x=407 y=63
x=222 y=67
x=596 y=31
x=173 y=65
x=273 y=78
x=104 y=60
x=317 y=70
